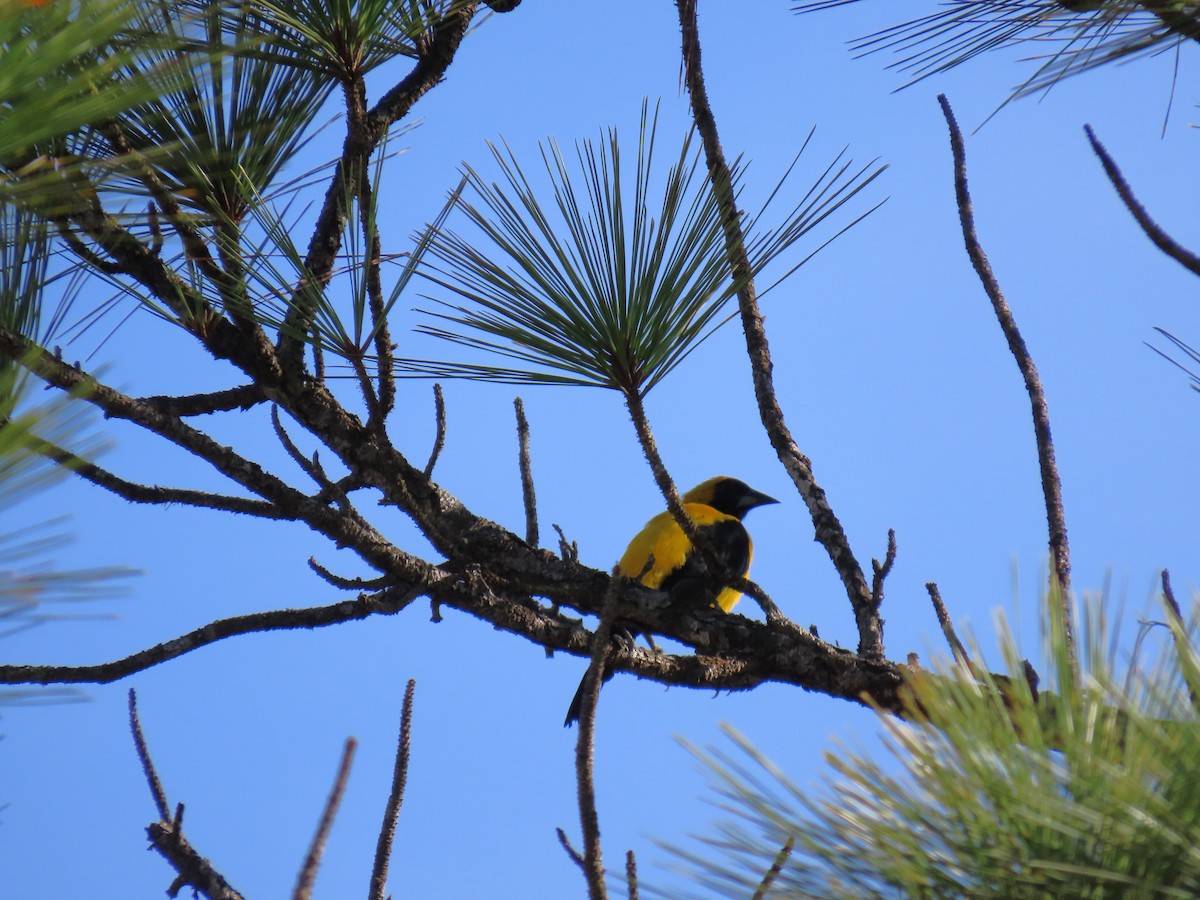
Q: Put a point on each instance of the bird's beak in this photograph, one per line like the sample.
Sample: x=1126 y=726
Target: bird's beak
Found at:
x=757 y=498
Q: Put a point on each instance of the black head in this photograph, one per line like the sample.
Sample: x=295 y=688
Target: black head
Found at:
x=727 y=495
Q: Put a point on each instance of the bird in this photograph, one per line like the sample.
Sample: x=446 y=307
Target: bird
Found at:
x=717 y=506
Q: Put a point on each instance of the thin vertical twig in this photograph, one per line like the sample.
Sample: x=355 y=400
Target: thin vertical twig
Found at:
x=439 y=440
x=1060 y=552
x=882 y=570
x=387 y=831
x=383 y=337
x=943 y=617
x=531 y=521
x=631 y=876
x=143 y=752
x=592 y=861
x=308 y=871
x=828 y=530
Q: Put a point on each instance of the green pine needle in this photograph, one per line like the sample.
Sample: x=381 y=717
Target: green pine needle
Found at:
x=593 y=280
x=1089 y=791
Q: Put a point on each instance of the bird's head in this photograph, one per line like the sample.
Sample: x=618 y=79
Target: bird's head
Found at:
x=728 y=495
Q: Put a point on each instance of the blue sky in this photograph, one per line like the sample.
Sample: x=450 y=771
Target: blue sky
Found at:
x=892 y=371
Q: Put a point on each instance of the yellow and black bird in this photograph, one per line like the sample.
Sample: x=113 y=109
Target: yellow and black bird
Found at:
x=717 y=506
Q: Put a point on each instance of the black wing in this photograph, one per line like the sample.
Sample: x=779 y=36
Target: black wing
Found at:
x=731 y=542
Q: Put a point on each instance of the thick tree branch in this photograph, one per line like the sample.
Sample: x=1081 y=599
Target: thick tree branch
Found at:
x=1060 y=551
x=828 y=529
x=242 y=397
x=344 y=527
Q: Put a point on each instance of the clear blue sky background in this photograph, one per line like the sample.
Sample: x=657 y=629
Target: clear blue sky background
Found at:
x=889 y=364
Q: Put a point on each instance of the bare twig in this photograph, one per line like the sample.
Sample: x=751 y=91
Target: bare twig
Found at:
x=439 y=441
x=1060 y=552
x=592 y=862
x=143 y=752
x=568 y=550
x=308 y=871
x=943 y=617
x=375 y=416
x=631 y=878
x=531 y=521
x=350 y=584
x=166 y=835
x=386 y=602
x=828 y=529
x=387 y=831
x=306 y=465
x=383 y=337
x=155 y=494
x=881 y=571
x=566 y=845
x=772 y=873
x=194 y=870
x=1152 y=229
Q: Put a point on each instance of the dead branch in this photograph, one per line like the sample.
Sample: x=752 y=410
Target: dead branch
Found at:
x=194 y=870
x=387 y=831
x=566 y=845
x=527 y=492
x=1152 y=229
x=166 y=835
x=386 y=602
x=1060 y=552
x=882 y=570
x=155 y=494
x=143 y=752
x=828 y=529
x=312 y=861
x=384 y=358
x=592 y=862
x=943 y=617
x=439 y=440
